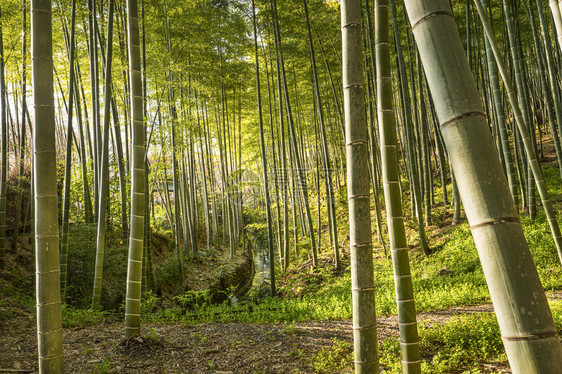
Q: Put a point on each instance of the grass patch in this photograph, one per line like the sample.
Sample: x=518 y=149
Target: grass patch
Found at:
x=337 y=358
x=74 y=317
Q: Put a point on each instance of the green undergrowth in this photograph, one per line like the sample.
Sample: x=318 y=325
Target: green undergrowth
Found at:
x=463 y=344
x=76 y=317
x=322 y=293
x=81 y=260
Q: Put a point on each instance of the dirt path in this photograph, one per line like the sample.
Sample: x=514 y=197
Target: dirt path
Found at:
x=218 y=348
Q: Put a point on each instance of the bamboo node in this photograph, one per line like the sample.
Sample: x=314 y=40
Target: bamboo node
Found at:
x=409 y=343
x=351 y=24
x=360 y=245
x=496 y=221
x=366 y=362
x=50 y=303
x=461 y=116
x=543 y=335
x=431 y=15
x=49 y=331
x=404 y=276
x=363 y=289
x=353 y=86
x=358 y=197
x=405 y=300
x=407 y=323
x=357 y=142
x=364 y=327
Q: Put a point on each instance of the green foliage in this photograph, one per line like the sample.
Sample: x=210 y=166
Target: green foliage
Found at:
x=153 y=334
x=556 y=309
x=167 y=272
x=464 y=343
x=81 y=256
x=452 y=346
x=148 y=302
x=476 y=335
x=334 y=359
x=74 y=317
x=290 y=329
x=257 y=231
x=194 y=299
x=201 y=339
x=12 y=294
x=102 y=367
x=389 y=355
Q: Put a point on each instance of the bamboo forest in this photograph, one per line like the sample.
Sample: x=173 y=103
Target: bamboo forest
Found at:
x=280 y=186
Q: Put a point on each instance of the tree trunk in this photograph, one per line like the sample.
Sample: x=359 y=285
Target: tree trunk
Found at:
x=409 y=341
x=134 y=268
x=525 y=320
x=49 y=319
x=360 y=240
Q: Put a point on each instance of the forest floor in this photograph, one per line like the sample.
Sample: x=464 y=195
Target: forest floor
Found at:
x=219 y=348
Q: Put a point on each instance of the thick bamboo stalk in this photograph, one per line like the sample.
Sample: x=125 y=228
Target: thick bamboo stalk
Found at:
x=360 y=240
x=525 y=320
x=134 y=269
x=49 y=319
x=409 y=340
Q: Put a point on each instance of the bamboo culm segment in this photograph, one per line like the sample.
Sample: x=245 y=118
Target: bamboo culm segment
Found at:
x=49 y=319
x=409 y=340
x=362 y=281
x=521 y=307
x=136 y=236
